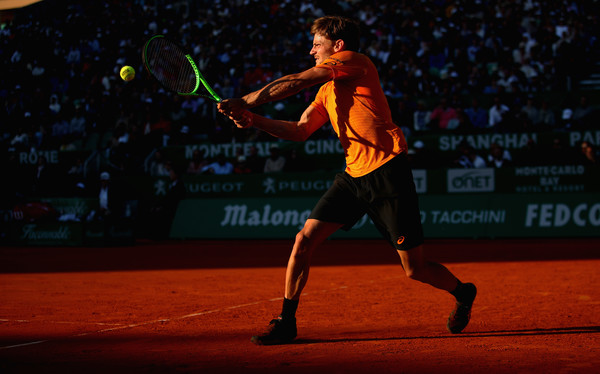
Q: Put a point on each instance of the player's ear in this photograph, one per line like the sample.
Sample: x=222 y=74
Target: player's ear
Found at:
x=339 y=45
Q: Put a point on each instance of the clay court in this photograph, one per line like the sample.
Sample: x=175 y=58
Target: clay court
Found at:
x=191 y=306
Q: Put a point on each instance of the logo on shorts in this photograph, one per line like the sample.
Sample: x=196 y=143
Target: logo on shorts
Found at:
x=400 y=240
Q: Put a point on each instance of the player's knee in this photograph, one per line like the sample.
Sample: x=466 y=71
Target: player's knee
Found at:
x=303 y=242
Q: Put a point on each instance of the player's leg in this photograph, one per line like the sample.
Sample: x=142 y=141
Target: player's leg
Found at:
x=337 y=208
x=308 y=239
x=282 y=329
x=417 y=267
x=395 y=212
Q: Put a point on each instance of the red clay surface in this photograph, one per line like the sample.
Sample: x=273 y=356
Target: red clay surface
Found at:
x=192 y=307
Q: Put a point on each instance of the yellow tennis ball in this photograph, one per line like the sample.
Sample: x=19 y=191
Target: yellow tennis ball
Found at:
x=127 y=73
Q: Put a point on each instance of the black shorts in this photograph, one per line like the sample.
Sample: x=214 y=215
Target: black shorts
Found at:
x=387 y=195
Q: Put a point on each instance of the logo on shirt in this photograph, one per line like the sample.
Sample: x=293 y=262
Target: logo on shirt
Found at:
x=333 y=62
x=400 y=240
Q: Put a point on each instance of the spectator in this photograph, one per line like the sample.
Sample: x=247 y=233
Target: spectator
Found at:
x=67 y=143
x=566 y=118
x=546 y=117
x=76 y=177
x=403 y=117
x=499 y=157
x=462 y=123
x=77 y=125
x=158 y=166
x=530 y=155
x=531 y=112
x=60 y=129
x=443 y=114
x=497 y=113
x=240 y=165
x=275 y=163
x=469 y=158
x=220 y=167
x=54 y=105
x=560 y=154
x=197 y=163
x=550 y=49
x=20 y=141
x=477 y=115
x=582 y=112
x=105 y=201
x=254 y=162
x=42 y=178
x=295 y=163
x=421 y=117
x=110 y=203
x=175 y=193
x=491 y=87
x=160 y=217
x=589 y=154
x=423 y=158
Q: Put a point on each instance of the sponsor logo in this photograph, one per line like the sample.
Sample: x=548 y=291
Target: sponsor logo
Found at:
x=333 y=61
x=269 y=185
x=471 y=180
x=311 y=147
x=30 y=233
x=464 y=217
x=589 y=136
x=400 y=240
x=215 y=187
x=420 y=179
x=562 y=178
x=559 y=215
x=484 y=141
x=239 y=215
x=229 y=149
x=33 y=157
x=323 y=147
x=273 y=186
x=549 y=171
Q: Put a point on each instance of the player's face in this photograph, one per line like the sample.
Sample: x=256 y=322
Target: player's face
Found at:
x=322 y=48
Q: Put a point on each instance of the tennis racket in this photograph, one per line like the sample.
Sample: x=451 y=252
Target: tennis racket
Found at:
x=174 y=69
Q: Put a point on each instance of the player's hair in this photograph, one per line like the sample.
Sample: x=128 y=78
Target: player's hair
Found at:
x=337 y=27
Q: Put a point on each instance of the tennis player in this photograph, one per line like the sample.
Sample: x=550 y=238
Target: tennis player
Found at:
x=377 y=180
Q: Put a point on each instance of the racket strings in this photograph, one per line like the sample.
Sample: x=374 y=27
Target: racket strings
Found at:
x=170 y=66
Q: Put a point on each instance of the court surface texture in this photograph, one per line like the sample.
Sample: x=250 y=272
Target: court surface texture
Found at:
x=192 y=306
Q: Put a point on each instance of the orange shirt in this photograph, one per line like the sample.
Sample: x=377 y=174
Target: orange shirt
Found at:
x=359 y=113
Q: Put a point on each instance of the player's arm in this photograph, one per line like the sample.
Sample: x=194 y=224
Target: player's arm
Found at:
x=300 y=130
x=287 y=86
x=278 y=89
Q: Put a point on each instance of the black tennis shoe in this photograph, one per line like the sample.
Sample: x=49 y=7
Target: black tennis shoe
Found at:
x=460 y=316
x=279 y=331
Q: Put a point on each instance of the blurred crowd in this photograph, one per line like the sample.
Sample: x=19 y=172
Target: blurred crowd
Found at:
x=60 y=88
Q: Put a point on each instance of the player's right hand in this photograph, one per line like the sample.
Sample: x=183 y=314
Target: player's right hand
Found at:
x=231 y=107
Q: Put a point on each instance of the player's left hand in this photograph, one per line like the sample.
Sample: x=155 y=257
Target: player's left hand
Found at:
x=243 y=120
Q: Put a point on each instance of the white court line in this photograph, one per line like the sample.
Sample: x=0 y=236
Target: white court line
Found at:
x=23 y=344
x=163 y=320
x=133 y=325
